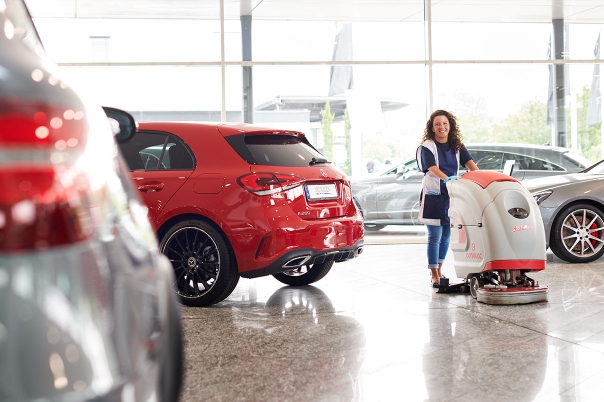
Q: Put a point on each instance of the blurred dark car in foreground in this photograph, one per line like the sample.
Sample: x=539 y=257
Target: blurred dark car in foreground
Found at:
x=572 y=208
x=231 y=200
x=392 y=198
x=86 y=310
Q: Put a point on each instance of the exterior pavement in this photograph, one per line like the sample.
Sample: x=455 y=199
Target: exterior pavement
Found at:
x=374 y=330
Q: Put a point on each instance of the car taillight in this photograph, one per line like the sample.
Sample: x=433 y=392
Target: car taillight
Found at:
x=43 y=195
x=265 y=183
x=39 y=210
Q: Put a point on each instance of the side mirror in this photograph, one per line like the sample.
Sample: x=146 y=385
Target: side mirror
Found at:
x=508 y=168
x=122 y=123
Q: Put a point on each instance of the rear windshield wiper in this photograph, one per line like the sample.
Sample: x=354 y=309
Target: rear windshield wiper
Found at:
x=314 y=161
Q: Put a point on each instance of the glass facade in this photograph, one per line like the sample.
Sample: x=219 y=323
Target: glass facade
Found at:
x=380 y=67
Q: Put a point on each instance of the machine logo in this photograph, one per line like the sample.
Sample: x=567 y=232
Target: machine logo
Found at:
x=521 y=227
x=473 y=255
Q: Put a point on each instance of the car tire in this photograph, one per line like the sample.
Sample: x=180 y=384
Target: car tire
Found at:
x=305 y=274
x=171 y=369
x=370 y=227
x=358 y=205
x=571 y=241
x=204 y=265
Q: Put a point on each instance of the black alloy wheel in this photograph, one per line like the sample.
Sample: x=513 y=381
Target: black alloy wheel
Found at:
x=578 y=234
x=203 y=264
x=304 y=274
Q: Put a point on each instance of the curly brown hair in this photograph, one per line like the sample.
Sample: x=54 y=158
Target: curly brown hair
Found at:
x=454 y=133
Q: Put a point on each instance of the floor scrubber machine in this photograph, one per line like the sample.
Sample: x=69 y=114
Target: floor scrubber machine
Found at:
x=497 y=237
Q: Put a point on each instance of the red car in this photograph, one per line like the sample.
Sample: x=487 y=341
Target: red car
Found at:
x=231 y=200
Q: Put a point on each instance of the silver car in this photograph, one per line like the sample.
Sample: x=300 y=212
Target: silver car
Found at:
x=392 y=198
x=87 y=311
x=572 y=208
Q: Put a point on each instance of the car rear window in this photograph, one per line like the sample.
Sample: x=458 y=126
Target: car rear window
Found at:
x=274 y=150
x=577 y=159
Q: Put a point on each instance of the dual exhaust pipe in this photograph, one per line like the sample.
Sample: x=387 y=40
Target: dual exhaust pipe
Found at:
x=297 y=262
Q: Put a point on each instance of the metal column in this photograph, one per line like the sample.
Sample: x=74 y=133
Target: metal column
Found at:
x=246 y=48
x=560 y=89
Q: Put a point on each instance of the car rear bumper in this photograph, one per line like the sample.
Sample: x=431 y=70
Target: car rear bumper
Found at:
x=291 y=234
x=298 y=257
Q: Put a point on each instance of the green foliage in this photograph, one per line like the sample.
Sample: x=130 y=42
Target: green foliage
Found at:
x=383 y=146
x=347 y=127
x=326 y=122
x=474 y=128
x=588 y=137
x=526 y=126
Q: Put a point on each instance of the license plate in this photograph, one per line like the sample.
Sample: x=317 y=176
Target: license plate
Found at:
x=321 y=192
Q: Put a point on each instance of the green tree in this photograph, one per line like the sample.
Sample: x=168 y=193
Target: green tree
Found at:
x=527 y=126
x=383 y=145
x=347 y=128
x=326 y=122
x=589 y=138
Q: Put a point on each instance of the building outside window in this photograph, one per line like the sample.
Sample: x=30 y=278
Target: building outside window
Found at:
x=511 y=73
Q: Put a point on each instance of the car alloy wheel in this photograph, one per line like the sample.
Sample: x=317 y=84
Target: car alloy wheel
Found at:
x=202 y=261
x=578 y=234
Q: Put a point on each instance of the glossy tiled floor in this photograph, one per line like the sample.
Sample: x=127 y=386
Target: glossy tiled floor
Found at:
x=374 y=330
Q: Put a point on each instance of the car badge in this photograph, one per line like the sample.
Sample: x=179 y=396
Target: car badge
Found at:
x=323 y=173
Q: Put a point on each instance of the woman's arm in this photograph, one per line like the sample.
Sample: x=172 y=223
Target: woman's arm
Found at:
x=471 y=165
x=437 y=172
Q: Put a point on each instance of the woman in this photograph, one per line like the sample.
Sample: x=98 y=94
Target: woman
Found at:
x=439 y=157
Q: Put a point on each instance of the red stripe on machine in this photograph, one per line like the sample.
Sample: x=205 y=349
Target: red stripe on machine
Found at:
x=533 y=265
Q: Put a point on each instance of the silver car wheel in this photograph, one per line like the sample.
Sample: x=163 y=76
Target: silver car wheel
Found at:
x=581 y=233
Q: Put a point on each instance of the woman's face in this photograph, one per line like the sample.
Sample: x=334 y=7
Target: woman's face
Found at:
x=440 y=125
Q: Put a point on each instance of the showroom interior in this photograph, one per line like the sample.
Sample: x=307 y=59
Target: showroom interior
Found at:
x=360 y=78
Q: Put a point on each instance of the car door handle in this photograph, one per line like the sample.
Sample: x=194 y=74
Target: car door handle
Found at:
x=151 y=186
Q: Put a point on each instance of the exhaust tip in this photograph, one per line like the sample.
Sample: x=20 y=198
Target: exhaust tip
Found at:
x=296 y=262
x=359 y=251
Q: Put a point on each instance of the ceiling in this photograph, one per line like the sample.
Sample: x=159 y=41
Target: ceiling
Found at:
x=573 y=11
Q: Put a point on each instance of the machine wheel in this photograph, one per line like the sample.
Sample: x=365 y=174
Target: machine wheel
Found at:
x=475 y=283
x=305 y=274
x=370 y=227
x=578 y=234
x=203 y=264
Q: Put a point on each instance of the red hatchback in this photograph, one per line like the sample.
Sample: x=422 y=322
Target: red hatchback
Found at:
x=231 y=200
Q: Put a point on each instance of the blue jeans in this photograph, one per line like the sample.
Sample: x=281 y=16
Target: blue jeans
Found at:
x=438 y=244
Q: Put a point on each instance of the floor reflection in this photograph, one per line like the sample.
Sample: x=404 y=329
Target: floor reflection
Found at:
x=374 y=330
x=462 y=358
x=295 y=338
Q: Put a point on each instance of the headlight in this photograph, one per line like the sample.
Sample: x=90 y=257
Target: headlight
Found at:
x=542 y=196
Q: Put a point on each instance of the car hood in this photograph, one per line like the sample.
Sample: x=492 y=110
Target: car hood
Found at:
x=553 y=182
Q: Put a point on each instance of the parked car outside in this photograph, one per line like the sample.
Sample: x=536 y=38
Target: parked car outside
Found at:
x=231 y=200
x=86 y=311
x=572 y=208
x=392 y=198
